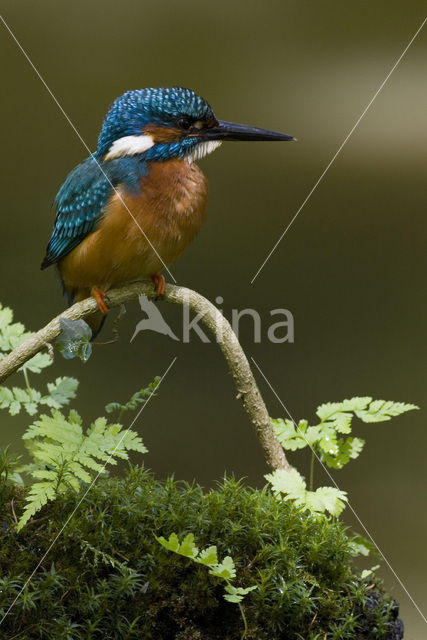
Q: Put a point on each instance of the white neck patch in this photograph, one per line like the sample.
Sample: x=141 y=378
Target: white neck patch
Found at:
x=202 y=149
x=129 y=146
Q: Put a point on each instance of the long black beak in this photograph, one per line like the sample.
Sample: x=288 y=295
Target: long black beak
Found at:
x=233 y=131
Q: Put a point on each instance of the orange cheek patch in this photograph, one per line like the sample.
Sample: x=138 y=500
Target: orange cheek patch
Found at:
x=162 y=134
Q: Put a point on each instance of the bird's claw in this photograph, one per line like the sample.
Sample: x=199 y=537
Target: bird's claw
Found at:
x=159 y=285
x=100 y=296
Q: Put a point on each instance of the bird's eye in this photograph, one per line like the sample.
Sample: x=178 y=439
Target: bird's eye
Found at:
x=184 y=123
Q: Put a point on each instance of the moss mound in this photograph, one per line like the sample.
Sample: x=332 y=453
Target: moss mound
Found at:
x=107 y=577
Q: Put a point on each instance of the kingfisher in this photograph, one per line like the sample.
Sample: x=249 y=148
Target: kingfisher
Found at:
x=132 y=207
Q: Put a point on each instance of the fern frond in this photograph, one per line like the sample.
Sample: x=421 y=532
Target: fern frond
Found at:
x=225 y=570
x=39 y=494
x=59 y=394
x=290 y=438
x=11 y=333
x=336 y=418
x=66 y=457
x=381 y=410
x=16 y=399
x=56 y=427
x=138 y=398
x=37 y=363
x=290 y=485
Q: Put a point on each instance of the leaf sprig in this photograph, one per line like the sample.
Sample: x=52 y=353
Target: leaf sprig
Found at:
x=59 y=394
x=330 y=440
x=65 y=457
x=326 y=438
x=292 y=486
x=208 y=557
x=138 y=398
x=12 y=334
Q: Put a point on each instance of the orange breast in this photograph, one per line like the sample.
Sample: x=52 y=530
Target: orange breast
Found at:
x=167 y=214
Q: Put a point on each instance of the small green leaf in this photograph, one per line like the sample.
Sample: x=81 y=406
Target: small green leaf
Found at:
x=368 y=572
x=224 y=569
x=236 y=594
x=61 y=392
x=14 y=408
x=347 y=449
x=171 y=545
x=290 y=483
x=381 y=410
x=356 y=404
x=187 y=547
x=21 y=395
x=37 y=363
x=6 y=317
x=233 y=598
x=354 y=446
x=313 y=435
x=362 y=546
x=39 y=494
x=11 y=334
x=327 y=499
x=6 y=397
x=342 y=422
x=290 y=438
x=291 y=486
x=327 y=442
x=208 y=556
x=233 y=594
x=326 y=411
x=17 y=399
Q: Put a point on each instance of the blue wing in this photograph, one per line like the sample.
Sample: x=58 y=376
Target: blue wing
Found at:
x=81 y=200
x=79 y=207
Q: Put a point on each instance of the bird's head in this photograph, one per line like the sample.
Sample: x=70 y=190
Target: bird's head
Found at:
x=168 y=123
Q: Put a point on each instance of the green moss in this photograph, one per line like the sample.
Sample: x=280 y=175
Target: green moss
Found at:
x=107 y=577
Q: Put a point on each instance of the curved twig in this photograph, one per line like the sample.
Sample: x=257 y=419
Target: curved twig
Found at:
x=210 y=316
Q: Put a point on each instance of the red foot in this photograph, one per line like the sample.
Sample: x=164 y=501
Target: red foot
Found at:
x=100 y=297
x=159 y=284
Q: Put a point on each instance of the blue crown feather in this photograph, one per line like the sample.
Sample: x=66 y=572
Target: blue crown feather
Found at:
x=132 y=111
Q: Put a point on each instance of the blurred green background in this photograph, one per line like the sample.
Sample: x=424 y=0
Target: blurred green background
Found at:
x=351 y=268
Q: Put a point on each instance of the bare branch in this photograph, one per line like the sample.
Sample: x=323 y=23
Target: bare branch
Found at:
x=214 y=321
